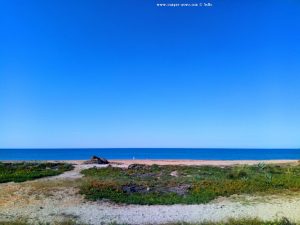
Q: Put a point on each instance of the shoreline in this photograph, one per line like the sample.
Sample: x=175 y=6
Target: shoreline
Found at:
x=184 y=162
x=203 y=162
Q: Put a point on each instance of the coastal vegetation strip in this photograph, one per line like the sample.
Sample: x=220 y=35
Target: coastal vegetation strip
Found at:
x=150 y=185
x=23 y=171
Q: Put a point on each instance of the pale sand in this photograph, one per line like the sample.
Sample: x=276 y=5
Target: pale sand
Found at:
x=56 y=198
x=187 y=162
x=201 y=162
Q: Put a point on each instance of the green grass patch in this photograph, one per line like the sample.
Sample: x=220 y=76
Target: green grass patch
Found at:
x=186 y=184
x=19 y=172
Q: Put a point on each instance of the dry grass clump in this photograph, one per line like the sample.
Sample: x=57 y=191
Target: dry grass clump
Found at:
x=50 y=187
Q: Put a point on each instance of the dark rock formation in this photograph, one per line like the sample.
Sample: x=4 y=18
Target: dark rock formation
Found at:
x=96 y=160
x=134 y=188
x=137 y=166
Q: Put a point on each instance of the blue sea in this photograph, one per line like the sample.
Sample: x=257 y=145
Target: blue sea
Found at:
x=149 y=153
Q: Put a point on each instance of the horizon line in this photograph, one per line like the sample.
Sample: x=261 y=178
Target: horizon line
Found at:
x=49 y=148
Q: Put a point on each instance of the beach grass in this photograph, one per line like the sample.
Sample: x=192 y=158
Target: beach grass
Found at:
x=23 y=171
x=167 y=185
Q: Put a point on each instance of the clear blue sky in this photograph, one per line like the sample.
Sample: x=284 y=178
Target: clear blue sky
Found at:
x=125 y=73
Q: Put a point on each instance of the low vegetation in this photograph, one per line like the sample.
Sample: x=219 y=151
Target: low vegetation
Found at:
x=140 y=184
x=19 y=172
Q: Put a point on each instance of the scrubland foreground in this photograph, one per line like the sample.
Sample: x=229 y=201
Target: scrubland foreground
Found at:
x=140 y=184
x=149 y=194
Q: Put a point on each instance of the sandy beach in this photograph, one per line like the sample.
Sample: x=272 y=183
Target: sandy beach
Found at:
x=201 y=162
x=126 y=162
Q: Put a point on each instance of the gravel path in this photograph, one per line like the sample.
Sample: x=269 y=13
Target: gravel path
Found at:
x=57 y=198
x=70 y=205
x=92 y=213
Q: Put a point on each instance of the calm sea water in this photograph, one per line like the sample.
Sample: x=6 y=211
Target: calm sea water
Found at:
x=149 y=153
